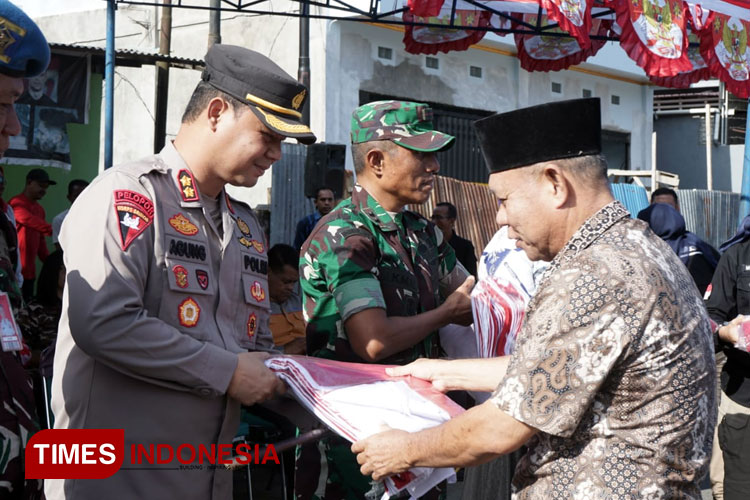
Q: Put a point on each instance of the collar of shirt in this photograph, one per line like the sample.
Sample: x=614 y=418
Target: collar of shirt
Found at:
x=369 y=206
x=589 y=232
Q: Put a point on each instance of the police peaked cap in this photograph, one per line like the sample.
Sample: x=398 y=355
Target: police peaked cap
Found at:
x=275 y=97
x=24 y=52
x=554 y=131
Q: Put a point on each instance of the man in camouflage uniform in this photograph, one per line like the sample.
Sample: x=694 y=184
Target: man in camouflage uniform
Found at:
x=377 y=280
x=25 y=53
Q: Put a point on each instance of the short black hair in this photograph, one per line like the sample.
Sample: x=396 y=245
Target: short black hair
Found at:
x=452 y=212
x=323 y=188
x=77 y=183
x=662 y=191
x=281 y=255
x=202 y=95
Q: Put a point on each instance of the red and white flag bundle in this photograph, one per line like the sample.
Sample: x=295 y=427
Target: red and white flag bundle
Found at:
x=357 y=400
x=498 y=309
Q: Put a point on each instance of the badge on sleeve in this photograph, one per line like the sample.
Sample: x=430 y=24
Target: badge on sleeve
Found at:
x=182 y=225
x=257 y=292
x=180 y=276
x=187 y=185
x=252 y=325
x=190 y=312
x=135 y=212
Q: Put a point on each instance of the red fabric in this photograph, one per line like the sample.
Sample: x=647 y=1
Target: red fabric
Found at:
x=654 y=65
x=580 y=32
x=425 y=8
x=530 y=63
x=32 y=228
x=714 y=34
x=470 y=37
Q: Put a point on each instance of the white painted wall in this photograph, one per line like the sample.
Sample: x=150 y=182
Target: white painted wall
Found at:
x=353 y=65
x=344 y=61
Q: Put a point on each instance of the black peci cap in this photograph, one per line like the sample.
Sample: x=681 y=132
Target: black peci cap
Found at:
x=554 y=131
x=275 y=97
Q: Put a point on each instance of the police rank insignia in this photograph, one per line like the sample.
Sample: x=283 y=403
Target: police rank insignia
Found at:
x=257 y=292
x=182 y=225
x=180 y=276
x=189 y=312
x=135 y=212
x=257 y=245
x=202 y=277
x=186 y=182
x=252 y=325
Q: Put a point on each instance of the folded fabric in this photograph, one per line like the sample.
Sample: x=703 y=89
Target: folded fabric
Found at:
x=498 y=309
x=358 y=400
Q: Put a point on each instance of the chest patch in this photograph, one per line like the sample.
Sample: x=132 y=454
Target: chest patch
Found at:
x=189 y=312
x=187 y=250
x=180 y=276
x=252 y=325
x=182 y=225
x=135 y=212
x=202 y=277
x=255 y=265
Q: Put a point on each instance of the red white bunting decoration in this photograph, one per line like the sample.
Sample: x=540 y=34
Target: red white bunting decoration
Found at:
x=724 y=47
x=431 y=40
x=554 y=53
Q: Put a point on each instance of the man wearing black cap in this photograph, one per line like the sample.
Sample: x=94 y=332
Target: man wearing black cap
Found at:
x=32 y=226
x=612 y=384
x=167 y=285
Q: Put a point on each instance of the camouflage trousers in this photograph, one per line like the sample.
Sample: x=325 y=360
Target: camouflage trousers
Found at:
x=17 y=424
x=328 y=470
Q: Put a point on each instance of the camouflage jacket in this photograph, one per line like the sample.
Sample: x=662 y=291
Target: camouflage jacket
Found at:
x=359 y=257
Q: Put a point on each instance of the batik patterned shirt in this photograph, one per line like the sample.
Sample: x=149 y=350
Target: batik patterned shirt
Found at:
x=615 y=368
x=358 y=257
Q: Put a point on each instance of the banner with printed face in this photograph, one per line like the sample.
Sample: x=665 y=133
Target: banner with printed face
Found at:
x=50 y=102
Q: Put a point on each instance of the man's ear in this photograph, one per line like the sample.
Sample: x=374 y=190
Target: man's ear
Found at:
x=214 y=111
x=556 y=185
x=375 y=161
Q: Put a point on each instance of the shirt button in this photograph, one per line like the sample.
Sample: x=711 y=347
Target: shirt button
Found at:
x=205 y=392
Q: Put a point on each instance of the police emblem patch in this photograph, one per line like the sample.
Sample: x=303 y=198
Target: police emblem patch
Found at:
x=252 y=325
x=186 y=184
x=182 y=225
x=180 y=276
x=202 y=277
x=257 y=292
x=7 y=39
x=189 y=312
x=135 y=212
x=244 y=228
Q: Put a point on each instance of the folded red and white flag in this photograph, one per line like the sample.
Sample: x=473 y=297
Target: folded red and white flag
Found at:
x=357 y=400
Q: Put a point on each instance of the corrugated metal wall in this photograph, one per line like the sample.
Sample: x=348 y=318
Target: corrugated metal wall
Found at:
x=288 y=202
x=712 y=215
x=476 y=206
x=633 y=197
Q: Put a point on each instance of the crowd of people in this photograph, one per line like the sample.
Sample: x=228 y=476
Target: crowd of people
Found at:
x=161 y=303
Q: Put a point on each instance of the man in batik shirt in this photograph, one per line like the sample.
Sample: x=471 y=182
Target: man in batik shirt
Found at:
x=612 y=383
x=378 y=281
